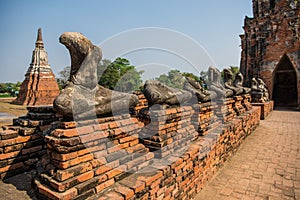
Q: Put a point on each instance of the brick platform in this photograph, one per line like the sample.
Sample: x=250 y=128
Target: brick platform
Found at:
x=184 y=173
x=22 y=144
x=86 y=157
x=225 y=110
x=204 y=118
x=246 y=101
x=113 y=157
x=168 y=130
x=266 y=108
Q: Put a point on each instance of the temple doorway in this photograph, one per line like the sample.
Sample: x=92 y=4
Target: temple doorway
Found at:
x=285 y=84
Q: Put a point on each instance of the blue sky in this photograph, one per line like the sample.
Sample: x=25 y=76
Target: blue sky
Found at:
x=185 y=35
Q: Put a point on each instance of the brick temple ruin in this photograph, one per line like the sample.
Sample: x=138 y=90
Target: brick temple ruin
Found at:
x=168 y=151
x=78 y=148
x=39 y=86
x=270 y=49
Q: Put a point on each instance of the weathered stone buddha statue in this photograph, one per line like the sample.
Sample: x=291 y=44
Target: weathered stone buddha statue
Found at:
x=215 y=84
x=259 y=91
x=263 y=87
x=195 y=88
x=254 y=84
x=159 y=93
x=228 y=82
x=238 y=82
x=82 y=96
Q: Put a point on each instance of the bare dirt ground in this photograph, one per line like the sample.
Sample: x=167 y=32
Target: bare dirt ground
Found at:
x=9 y=111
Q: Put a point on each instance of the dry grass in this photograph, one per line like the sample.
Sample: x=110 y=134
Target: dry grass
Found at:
x=10 y=109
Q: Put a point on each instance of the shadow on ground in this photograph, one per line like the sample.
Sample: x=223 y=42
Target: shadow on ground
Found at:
x=17 y=187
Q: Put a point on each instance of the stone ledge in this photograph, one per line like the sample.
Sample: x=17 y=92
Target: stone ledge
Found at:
x=266 y=108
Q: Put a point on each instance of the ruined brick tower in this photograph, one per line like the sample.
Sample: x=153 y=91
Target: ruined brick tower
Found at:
x=271 y=51
x=39 y=86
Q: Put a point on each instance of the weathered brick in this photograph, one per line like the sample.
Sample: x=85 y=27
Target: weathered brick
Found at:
x=8 y=134
x=126 y=122
x=117 y=147
x=65 y=132
x=16 y=147
x=113 y=164
x=102 y=127
x=128 y=138
x=23 y=139
x=126 y=192
x=175 y=161
x=113 y=125
x=47 y=192
x=104 y=185
x=112 y=173
x=86 y=176
x=153 y=192
x=98 y=147
x=9 y=155
x=135 y=148
x=117 y=131
x=65 y=174
x=11 y=167
x=68 y=125
x=27 y=131
x=97 y=162
x=73 y=162
x=103 y=169
x=68 y=156
x=133 y=183
x=94 y=136
x=8 y=142
x=113 y=195
x=100 y=154
x=31 y=150
x=85 y=130
x=116 y=155
x=135 y=162
x=133 y=142
x=155 y=184
x=150 y=177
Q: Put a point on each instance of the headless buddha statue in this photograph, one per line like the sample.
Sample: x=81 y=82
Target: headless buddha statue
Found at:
x=82 y=96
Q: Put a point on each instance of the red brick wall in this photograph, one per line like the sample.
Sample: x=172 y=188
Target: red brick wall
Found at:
x=271 y=34
x=109 y=157
x=170 y=156
x=22 y=144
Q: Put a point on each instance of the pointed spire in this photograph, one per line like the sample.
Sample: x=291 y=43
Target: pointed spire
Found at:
x=39 y=40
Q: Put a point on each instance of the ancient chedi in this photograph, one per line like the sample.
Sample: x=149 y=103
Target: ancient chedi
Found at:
x=39 y=86
x=270 y=49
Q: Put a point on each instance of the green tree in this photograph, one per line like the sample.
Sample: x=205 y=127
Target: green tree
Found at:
x=174 y=79
x=119 y=75
x=104 y=66
x=234 y=70
x=64 y=76
x=11 y=89
x=191 y=75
